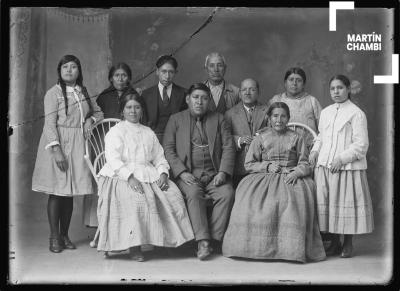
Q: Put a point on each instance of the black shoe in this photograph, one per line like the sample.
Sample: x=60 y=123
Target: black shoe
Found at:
x=66 y=242
x=204 y=250
x=347 y=252
x=55 y=245
x=334 y=249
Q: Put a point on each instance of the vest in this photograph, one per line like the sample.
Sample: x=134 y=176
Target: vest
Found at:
x=164 y=112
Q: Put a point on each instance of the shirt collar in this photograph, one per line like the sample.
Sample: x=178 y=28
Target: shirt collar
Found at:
x=248 y=108
x=70 y=89
x=161 y=86
x=343 y=104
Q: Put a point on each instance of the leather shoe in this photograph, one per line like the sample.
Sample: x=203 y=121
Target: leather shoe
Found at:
x=66 y=243
x=334 y=249
x=347 y=252
x=136 y=254
x=55 y=245
x=204 y=250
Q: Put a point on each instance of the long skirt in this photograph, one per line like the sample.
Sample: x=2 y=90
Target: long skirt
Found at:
x=343 y=201
x=49 y=179
x=128 y=218
x=273 y=220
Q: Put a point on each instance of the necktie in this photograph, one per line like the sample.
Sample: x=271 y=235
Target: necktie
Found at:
x=165 y=98
x=250 y=114
x=200 y=128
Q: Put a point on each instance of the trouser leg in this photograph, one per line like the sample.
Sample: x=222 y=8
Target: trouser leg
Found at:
x=223 y=198
x=197 y=209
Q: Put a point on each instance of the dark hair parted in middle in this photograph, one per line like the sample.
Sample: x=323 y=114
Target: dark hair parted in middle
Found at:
x=132 y=95
x=122 y=66
x=344 y=80
x=166 y=59
x=66 y=59
x=199 y=86
x=282 y=105
x=296 y=70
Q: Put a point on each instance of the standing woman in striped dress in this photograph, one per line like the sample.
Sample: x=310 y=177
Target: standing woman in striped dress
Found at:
x=343 y=198
x=60 y=169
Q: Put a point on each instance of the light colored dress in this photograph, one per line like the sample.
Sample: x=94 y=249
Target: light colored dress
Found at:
x=67 y=131
x=343 y=199
x=271 y=219
x=128 y=218
x=305 y=109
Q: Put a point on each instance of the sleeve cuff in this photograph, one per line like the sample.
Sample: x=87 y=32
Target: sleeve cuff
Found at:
x=124 y=173
x=163 y=169
x=238 y=143
x=53 y=143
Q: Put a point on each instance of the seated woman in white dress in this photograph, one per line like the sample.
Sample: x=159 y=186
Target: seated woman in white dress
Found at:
x=137 y=203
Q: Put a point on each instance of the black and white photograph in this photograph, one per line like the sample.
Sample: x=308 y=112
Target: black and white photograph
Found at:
x=201 y=145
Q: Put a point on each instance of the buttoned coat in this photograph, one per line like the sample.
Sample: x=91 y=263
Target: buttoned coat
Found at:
x=237 y=120
x=177 y=143
x=151 y=96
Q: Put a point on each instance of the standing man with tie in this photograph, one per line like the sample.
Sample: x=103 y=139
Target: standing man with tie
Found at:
x=224 y=95
x=199 y=148
x=165 y=98
x=245 y=119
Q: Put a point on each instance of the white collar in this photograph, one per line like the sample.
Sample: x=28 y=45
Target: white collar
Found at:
x=161 y=86
x=248 y=108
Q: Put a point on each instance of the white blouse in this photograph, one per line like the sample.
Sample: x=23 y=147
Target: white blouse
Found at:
x=343 y=133
x=133 y=149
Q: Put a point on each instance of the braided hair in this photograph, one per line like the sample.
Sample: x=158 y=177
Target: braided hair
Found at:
x=66 y=59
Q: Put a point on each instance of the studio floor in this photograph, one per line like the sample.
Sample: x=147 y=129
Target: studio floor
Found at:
x=31 y=262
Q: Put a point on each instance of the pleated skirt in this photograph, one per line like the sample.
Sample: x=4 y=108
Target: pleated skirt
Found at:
x=344 y=203
x=127 y=218
x=273 y=220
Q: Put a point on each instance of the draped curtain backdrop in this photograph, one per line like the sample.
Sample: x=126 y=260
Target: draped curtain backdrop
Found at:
x=39 y=37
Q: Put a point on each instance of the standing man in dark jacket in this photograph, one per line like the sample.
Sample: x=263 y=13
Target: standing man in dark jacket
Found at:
x=165 y=98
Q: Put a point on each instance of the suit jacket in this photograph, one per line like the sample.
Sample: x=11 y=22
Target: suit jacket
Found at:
x=151 y=95
x=237 y=120
x=230 y=94
x=177 y=143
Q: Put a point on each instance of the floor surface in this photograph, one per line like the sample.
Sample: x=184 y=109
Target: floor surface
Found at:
x=31 y=261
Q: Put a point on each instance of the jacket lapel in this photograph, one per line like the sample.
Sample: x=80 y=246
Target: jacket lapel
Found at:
x=243 y=117
x=258 y=118
x=186 y=138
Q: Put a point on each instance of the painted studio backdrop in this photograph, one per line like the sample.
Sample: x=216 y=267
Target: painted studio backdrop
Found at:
x=261 y=43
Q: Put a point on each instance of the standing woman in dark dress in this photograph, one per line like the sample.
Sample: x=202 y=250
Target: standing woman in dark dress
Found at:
x=120 y=76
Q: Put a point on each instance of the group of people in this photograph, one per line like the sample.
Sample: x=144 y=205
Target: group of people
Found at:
x=210 y=164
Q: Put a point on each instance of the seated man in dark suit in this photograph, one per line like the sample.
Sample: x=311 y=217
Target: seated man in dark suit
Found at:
x=165 y=98
x=245 y=119
x=198 y=145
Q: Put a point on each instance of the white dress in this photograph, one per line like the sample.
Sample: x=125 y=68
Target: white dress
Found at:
x=128 y=218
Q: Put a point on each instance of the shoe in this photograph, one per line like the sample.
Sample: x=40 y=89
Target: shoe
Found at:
x=334 y=249
x=66 y=242
x=55 y=245
x=136 y=254
x=204 y=250
x=347 y=252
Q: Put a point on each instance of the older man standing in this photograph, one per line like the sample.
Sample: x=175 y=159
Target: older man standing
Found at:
x=199 y=148
x=224 y=95
x=245 y=119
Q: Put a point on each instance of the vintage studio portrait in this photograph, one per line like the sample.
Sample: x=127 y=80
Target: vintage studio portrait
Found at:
x=201 y=145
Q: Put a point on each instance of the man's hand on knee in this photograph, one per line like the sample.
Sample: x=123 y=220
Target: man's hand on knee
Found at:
x=188 y=178
x=219 y=179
